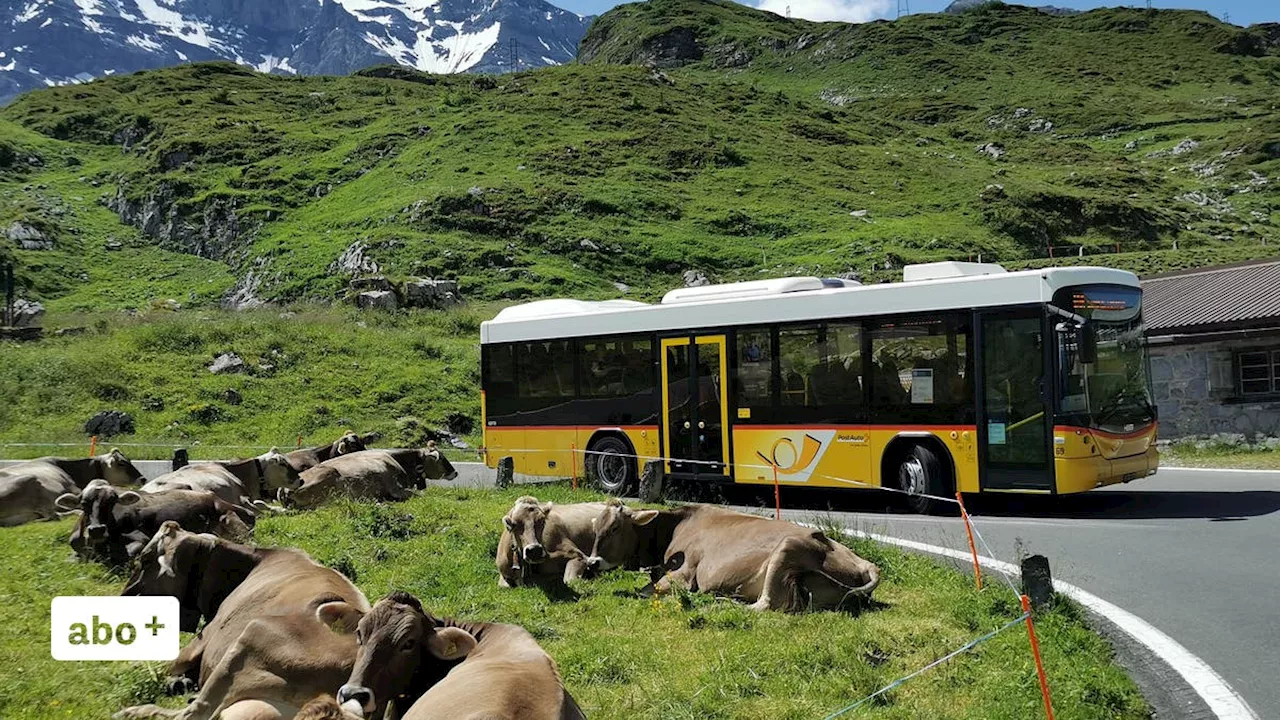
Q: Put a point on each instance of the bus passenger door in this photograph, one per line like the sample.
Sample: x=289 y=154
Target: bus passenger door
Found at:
x=695 y=437
x=1014 y=429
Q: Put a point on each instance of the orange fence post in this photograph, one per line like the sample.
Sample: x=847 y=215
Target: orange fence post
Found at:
x=1035 y=651
x=973 y=549
x=299 y=441
x=573 y=452
x=777 y=496
x=93 y=446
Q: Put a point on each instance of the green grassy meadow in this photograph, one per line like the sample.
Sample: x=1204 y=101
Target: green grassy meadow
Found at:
x=683 y=656
x=311 y=373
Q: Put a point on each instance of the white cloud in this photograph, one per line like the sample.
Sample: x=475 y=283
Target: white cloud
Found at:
x=826 y=10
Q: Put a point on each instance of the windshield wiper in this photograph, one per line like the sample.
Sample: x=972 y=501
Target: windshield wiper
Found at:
x=1117 y=402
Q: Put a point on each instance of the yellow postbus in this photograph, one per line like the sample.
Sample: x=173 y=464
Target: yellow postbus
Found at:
x=962 y=377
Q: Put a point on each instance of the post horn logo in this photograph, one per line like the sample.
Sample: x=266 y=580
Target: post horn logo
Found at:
x=784 y=451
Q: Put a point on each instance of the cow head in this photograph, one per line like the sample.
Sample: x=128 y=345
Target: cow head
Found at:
x=435 y=465
x=617 y=537
x=402 y=651
x=97 y=503
x=170 y=565
x=348 y=443
x=277 y=472
x=525 y=522
x=117 y=469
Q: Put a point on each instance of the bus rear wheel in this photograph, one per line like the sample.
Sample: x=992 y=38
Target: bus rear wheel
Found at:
x=612 y=465
x=921 y=475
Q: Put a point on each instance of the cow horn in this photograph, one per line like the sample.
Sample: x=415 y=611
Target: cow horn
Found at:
x=67 y=501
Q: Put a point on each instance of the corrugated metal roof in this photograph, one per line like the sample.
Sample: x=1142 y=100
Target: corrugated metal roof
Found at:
x=1245 y=295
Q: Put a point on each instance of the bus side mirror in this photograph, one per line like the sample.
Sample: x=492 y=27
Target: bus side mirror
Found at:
x=1087 y=343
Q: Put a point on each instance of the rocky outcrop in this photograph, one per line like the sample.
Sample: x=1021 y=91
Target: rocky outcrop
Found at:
x=432 y=294
x=28 y=237
x=377 y=300
x=27 y=313
x=109 y=423
x=227 y=363
x=216 y=230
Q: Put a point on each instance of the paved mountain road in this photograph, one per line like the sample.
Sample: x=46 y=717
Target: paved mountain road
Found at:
x=1194 y=553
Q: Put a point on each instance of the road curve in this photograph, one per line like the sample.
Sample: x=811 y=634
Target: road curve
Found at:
x=1194 y=553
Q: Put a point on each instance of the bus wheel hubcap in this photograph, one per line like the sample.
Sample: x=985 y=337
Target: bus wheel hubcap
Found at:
x=911 y=477
x=612 y=469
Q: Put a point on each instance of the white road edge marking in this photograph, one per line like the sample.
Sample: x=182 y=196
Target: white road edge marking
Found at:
x=1219 y=470
x=1221 y=698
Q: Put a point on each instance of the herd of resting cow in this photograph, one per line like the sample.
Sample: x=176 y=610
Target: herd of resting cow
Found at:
x=281 y=636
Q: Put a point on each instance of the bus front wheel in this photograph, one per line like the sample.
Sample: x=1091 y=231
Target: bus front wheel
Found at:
x=612 y=464
x=921 y=475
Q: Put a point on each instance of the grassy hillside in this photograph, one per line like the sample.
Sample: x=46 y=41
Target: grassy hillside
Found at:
x=311 y=375
x=764 y=147
x=681 y=657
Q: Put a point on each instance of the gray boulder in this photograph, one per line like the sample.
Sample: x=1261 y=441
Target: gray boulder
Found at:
x=375 y=282
x=227 y=363
x=695 y=278
x=994 y=150
x=109 y=423
x=27 y=313
x=436 y=294
x=28 y=237
x=377 y=300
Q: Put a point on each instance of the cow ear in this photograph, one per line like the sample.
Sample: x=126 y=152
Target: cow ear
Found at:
x=644 y=517
x=341 y=617
x=507 y=522
x=450 y=643
x=67 y=501
x=546 y=508
x=129 y=497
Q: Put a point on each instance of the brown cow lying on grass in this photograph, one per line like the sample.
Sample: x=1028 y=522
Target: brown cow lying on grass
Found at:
x=369 y=474
x=278 y=629
x=306 y=458
x=451 y=670
x=241 y=482
x=544 y=541
x=115 y=525
x=771 y=564
x=29 y=490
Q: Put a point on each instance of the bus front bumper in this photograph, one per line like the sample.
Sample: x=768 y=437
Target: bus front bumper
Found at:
x=1076 y=475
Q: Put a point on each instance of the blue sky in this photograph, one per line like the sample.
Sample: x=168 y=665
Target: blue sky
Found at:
x=1240 y=12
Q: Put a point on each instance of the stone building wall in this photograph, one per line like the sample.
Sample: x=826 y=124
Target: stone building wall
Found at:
x=1195 y=389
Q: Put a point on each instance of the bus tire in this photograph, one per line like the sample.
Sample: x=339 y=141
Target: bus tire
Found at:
x=921 y=474
x=612 y=464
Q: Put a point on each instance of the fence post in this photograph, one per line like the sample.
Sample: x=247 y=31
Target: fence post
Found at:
x=573 y=462
x=973 y=549
x=299 y=445
x=179 y=459
x=651 y=481
x=93 y=446
x=506 y=472
x=777 y=496
x=1035 y=652
x=1037 y=580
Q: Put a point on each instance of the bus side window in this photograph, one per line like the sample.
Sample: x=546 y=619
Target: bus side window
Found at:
x=500 y=378
x=755 y=369
x=837 y=378
x=798 y=356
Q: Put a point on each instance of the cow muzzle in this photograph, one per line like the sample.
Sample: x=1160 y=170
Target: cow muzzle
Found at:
x=356 y=700
x=534 y=553
x=96 y=532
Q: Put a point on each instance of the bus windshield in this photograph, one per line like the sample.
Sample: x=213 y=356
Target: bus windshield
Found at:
x=1114 y=393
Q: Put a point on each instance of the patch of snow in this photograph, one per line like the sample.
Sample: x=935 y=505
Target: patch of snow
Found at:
x=181 y=57
x=46 y=23
x=272 y=63
x=549 y=61
x=418 y=11
x=545 y=46
x=29 y=13
x=145 y=43
x=450 y=55
x=89 y=7
x=7 y=68
x=93 y=25
x=109 y=72
x=173 y=23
